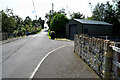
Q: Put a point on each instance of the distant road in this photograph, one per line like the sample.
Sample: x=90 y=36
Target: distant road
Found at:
x=20 y=57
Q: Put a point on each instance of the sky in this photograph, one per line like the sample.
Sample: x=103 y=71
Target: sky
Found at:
x=24 y=8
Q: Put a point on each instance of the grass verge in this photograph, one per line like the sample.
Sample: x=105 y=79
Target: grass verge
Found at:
x=49 y=35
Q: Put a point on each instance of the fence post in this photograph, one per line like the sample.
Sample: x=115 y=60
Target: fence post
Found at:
x=80 y=37
x=107 y=60
x=118 y=68
x=101 y=56
x=75 y=42
x=116 y=61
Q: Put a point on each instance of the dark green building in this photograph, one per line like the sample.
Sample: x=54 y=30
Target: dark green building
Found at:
x=90 y=27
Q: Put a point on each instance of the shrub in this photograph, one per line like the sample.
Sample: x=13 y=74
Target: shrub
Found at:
x=52 y=34
x=58 y=23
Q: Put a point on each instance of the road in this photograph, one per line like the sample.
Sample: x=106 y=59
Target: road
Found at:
x=63 y=63
x=20 y=57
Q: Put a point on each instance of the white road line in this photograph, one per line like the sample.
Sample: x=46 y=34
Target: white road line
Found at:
x=32 y=75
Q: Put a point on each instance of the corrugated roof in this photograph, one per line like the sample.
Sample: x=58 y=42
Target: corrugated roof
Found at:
x=92 y=22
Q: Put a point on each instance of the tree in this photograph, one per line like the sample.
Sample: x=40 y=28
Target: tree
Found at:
x=34 y=22
x=28 y=20
x=62 y=11
x=58 y=23
x=99 y=12
x=77 y=15
x=51 y=14
x=90 y=18
x=8 y=23
x=9 y=12
x=18 y=21
x=42 y=22
x=108 y=13
x=14 y=24
x=119 y=4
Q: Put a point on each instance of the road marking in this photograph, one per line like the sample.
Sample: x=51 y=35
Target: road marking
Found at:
x=32 y=75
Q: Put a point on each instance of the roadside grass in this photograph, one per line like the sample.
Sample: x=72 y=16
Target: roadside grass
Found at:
x=62 y=39
x=59 y=38
x=49 y=35
x=30 y=34
x=39 y=31
x=24 y=35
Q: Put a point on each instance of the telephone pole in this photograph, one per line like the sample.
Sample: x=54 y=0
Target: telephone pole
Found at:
x=52 y=14
x=90 y=4
x=34 y=9
x=52 y=10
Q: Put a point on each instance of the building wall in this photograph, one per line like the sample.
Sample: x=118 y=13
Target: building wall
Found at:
x=98 y=29
x=72 y=22
x=102 y=30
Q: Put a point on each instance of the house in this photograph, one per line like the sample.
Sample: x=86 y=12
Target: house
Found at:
x=90 y=27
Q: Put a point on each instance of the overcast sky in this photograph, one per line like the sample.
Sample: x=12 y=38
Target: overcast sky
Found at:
x=25 y=8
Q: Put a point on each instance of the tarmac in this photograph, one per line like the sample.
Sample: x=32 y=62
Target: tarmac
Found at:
x=64 y=63
x=10 y=40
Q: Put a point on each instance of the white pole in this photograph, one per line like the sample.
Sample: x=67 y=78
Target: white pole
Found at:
x=52 y=10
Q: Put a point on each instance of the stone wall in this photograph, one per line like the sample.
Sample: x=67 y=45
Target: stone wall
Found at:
x=103 y=56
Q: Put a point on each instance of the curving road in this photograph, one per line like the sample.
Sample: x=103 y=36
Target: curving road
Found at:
x=20 y=57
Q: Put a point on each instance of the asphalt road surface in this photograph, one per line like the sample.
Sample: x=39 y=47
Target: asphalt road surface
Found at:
x=20 y=57
x=63 y=63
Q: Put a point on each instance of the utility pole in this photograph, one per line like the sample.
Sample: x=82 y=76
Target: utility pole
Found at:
x=90 y=4
x=52 y=14
x=34 y=9
x=52 y=10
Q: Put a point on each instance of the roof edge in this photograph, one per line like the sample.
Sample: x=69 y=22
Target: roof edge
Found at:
x=92 y=23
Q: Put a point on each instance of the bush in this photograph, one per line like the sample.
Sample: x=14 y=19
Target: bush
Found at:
x=60 y=35
x=38 y=29
x=58 y=23
x=52 y=34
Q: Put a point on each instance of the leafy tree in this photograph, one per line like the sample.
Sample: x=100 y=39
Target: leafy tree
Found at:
x=51 y=14
x=18 y=21
x=62 y=11
x=28 y=20
x=108 y=13
x=119 y=4
x=99 y=12
x=77 y=15
x=14 y=24
x=90 y=18
x=42 y=22
x=58 y=23
x=8 y=23
x=9 y=12
x=34 y=22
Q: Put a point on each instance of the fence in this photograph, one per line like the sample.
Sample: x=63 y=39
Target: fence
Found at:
x=5 y=36
x=103 y=56
x=115 y=38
